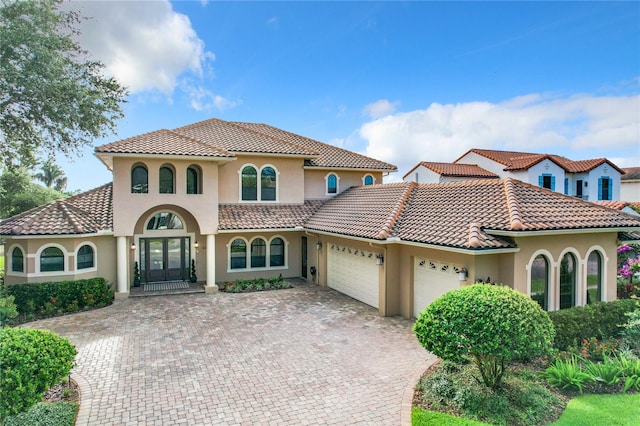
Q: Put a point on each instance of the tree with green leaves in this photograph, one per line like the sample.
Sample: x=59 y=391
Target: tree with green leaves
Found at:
x=53 y=98
x=19 y=193
x=52 y=176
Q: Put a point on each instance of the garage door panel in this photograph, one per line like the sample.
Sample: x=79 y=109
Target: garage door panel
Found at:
x=432 y=279
x=353 y=272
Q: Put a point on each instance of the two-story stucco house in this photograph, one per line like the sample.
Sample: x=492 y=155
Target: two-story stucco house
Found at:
x=243 y=200
x=592 y=180
x=630 y=184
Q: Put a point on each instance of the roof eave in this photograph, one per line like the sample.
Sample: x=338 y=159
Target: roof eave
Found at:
x=102 y=233
x=558 y=231
x=351 y=169
x=107 y=157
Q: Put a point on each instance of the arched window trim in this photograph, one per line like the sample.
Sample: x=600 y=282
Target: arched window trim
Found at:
x=248 y=243
x=265 y=255
x=246 y=254
x=603 y=271
x=144 y=190
x=326 y=186
x=285 y=245
x=9 y=261
x=550 y=276
x=259 y=171
x=65 y=256
x=95 y=256
x=172 y=169
x=368 y=175
x=198 y=171
x=578 y=286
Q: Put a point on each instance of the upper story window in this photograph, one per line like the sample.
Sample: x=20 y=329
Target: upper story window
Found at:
x=547 y=181
x=51 y=260
x=85 y=258
x=164 y=220
x=368 y=180
x=263 y=189
x=139 y=179
x=605 y=188
x=194 y=183
x=167 y=180
x=17 y=260
x=332 y=183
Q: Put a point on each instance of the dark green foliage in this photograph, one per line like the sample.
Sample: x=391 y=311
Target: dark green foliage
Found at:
x=601 y=320
x=18 y=192
x=192 y=274
x=50 y=298
x=31 y=361
x=61 y=413
x=492 y=325
x=258 y=284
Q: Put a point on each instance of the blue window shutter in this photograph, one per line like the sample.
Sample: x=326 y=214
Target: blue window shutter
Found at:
x=540 y=180
x=599 y=188
x=553 y=183
x=566 y=186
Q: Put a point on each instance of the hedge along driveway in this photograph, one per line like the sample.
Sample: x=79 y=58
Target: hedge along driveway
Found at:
x=296 y=356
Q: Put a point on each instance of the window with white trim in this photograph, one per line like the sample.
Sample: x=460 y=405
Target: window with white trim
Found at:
x=332 y=183
x=51 y=260
x=238 y=254
x=568 y=281
x=594 y=277
x=258 y=254
x=540 y=280
x=17 y=260
x=258 y=185
x=85 y=258
x=368 y=180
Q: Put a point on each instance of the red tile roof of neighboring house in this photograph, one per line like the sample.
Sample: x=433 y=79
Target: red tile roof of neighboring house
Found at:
x=86 y=213
x=265 y=216
x=619 y=205
x=455 y=170
x=514 y=160
x=631 y=173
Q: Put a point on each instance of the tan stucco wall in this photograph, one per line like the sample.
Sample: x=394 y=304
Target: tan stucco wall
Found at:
x=315 y=185
x=290 y=178
x=128 y=207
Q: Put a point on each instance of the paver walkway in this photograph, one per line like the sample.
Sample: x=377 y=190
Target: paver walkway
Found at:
x=303 y=356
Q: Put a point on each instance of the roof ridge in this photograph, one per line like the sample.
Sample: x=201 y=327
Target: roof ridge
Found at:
x=273 y=138
x=396 y=212
x=513 y=207
x=475 y=231
x=199 y=142
x=66 y=211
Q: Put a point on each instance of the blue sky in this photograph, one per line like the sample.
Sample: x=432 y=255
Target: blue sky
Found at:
x=400 y=81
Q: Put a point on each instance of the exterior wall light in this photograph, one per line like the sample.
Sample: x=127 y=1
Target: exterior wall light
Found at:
x=319 y=245
x=196 y=244
x=379 y=259
x=463 y=274
x=133 y=246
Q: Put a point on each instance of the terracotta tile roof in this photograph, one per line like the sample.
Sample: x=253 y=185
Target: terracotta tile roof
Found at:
x=514 y=160
x=364 y=211
x=631 y=173
x=455 y=170
x=85 y=213
x=263 y=216
x=238 y=139
x=328 y=155
x=619 y=205
x=633 y=237
x=163 y=142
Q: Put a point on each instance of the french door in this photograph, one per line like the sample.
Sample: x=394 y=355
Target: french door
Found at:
x=164 y=259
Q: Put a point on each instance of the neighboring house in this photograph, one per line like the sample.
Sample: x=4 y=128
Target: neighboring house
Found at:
x=591 y=180
x=632 y=208
x=430 y=172
x=249 y=200
x=630 y=184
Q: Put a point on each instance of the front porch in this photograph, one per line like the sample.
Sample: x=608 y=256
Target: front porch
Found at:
x=163 y=288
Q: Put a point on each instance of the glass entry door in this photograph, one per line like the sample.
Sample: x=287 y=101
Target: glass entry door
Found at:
x=164 y=259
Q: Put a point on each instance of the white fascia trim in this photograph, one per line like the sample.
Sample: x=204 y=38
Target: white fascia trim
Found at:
x=240 y=231
x=64 y=236
x=170 y=156
x=558 y=231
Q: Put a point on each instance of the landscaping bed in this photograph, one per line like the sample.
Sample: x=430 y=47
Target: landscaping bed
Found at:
x=258 y=284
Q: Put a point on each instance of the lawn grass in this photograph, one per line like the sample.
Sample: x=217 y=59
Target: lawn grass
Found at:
x=420 y=417
x=598 y=410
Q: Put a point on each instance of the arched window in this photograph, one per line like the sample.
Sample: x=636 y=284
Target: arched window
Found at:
x=594 y=277
x=332 y=184
x=258 y=253
x=368 y=180
x=276 y=252
x=85 y=257
x=568 y=281
x=194 y=185
x=17 y=260
x=268 y=184
x=540 y=280
x=51 y=260
x=166 y=180
x=139 y=180
x=164 y=220
x=249 y=184
x=238 y=254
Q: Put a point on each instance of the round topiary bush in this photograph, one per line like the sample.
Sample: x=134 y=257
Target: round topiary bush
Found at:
x=31 y=361
x=492 y=325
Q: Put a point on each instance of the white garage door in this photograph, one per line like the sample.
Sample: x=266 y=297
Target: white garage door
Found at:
x=432 y=279
x=353 y=272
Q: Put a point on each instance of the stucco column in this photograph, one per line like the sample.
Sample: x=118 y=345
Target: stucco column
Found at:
x=122 y=286
x=211 y=286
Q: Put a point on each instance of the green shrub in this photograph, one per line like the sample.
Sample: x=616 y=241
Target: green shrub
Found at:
x=631 y=331
x=50 y=298
x=607 y=372
x=600 y=320
x=567 y=374
x=493 y=325
x=8 y=309
x=258 y=284
x=31 y=361
x=46 y=414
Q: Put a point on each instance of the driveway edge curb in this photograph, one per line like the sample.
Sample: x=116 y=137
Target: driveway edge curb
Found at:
x=407 y=396
x=85 y=399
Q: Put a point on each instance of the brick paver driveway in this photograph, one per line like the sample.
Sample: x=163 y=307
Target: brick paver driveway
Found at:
x=299 y=356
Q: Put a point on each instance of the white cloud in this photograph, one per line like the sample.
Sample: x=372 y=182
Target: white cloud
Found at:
x=380 y=108
x=146 y=45
x=203 y=99
x=580 y=126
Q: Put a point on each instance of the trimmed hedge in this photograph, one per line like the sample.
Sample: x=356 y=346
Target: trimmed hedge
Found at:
x=31 y=361
x=602 y=320
x=50 y=298
x=258 y=284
